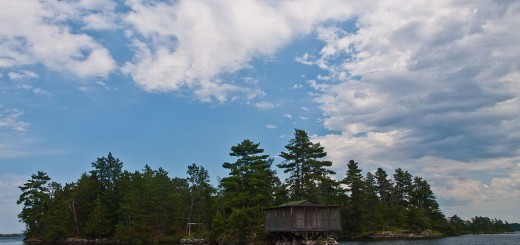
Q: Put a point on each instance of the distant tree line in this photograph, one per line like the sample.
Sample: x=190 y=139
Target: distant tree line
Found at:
x=14 y=235
x=479 y=225
x=515 y=226
x=149 y=206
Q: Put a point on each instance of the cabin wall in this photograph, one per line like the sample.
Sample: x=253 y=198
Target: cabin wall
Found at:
x=302 y=219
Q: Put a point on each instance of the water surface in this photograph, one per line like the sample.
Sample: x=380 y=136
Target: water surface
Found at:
x=485 y=239
x=491 y=239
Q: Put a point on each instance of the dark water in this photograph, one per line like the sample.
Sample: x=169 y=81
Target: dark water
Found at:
x=11 y=241
x=491 y=239
x=497 y=239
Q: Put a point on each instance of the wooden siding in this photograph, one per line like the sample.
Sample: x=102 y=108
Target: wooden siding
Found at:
x=302 y=219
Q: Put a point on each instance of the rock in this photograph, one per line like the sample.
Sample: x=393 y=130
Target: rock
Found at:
x=72 y=240
x=193 y=241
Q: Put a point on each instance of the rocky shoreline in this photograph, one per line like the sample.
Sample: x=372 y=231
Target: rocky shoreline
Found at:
x=75 y=240
x=405 y=234
x=382 y=235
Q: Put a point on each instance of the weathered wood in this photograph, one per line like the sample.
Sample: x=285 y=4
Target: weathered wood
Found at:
x=302 y=216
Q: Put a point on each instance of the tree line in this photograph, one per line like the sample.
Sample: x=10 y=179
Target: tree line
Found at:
x=149 y=206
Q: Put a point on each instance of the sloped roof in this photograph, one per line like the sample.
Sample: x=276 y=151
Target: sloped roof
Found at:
x=298 y=203
x=301 y=203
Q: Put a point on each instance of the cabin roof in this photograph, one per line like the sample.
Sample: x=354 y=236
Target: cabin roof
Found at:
x=298 y=203
x=301 y=203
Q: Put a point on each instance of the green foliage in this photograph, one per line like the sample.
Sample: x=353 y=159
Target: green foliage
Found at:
x=250 y=186
x=306 y=171
x=108 y=170
x=35 y=199
x=384 y=186
x=402 y=187
x=486 y=225
x=149 y=206
x=201 y=193
x=97 y=224
x=355 y=207
x=372 y=204
x=56 y=221
x=514 y=226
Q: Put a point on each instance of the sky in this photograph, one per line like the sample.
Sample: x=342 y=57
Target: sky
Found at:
x=432 y=87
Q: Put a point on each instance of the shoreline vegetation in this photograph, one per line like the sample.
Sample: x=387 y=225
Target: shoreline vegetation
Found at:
x=112 y=205
x=13 y=235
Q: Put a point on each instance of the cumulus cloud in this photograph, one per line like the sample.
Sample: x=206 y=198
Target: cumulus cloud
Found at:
x=416 y=83
x=427 y=74
x=43 y=36
x=191 y=44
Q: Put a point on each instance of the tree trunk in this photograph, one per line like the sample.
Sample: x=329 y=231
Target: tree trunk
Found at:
x=73 y=208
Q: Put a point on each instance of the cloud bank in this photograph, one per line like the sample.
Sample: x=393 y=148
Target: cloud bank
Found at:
x=432 y=80
x=36 y=32
x=194 y=44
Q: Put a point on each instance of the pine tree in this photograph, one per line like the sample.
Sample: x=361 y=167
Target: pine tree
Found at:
x=355 y=206
x=97 y=224
x=82 y=199
x=372 y=219
x=56 y=220
x=108 y=170
x=400 y=198
x=35 y=199
x=302 y=161
x=384 y=189
x=384 y=186
x=249 y=187
x=201 y=193
x=403 y=186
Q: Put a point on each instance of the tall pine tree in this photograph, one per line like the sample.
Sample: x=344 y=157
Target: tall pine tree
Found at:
x=302 y=162
x=35 y=199
x=250 y=186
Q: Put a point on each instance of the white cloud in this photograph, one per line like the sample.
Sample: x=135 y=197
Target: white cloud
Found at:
x=271 y=126
x=265 y=105
x=289 y=116
x=427 y=71
x=191 y=44
x=100 y=21
x=38 y=91
x=23 y=74
x=297 y=86
x=41 y=37
x=9 y=118
x=426 y=84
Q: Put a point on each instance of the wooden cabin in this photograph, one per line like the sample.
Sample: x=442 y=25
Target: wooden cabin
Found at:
x=299 y=217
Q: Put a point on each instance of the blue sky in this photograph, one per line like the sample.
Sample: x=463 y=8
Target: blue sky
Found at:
x=431 y=87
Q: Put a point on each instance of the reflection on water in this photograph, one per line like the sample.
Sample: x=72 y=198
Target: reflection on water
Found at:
x=485 y=239
x=11 y=241
x=492 y=239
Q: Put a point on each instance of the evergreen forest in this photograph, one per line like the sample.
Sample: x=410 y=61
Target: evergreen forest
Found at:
x=111 y=203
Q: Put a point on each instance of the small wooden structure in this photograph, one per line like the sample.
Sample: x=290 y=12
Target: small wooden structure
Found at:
x=298 y=222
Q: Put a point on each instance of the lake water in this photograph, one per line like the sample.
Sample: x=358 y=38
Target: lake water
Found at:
x=483 y=239
x=495 y=239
